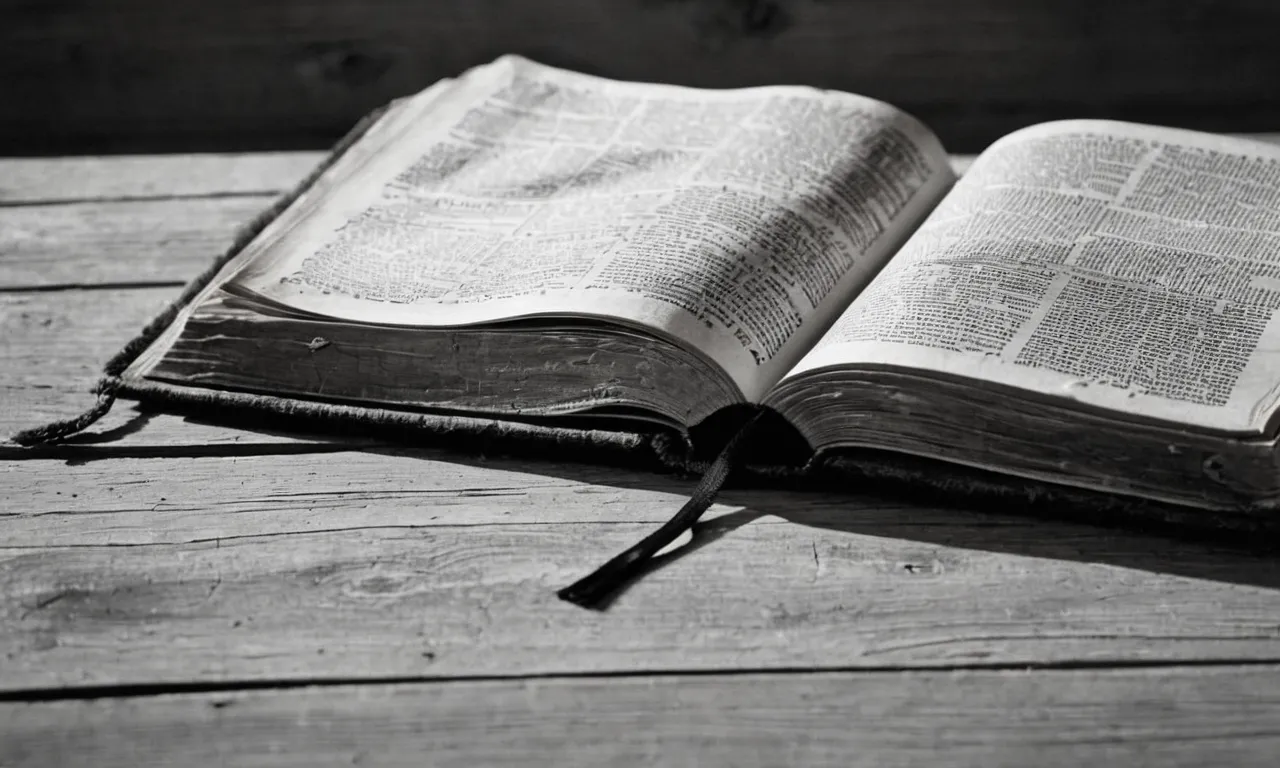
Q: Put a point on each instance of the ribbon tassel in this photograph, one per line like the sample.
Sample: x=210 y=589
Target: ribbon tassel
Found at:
x=593 y=591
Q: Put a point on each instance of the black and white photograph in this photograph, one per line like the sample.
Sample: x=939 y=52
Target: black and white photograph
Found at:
x=639 y=382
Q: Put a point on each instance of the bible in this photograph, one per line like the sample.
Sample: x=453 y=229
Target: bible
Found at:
x=1092 y=304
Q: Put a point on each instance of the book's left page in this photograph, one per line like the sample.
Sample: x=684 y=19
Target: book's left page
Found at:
x=734 y=223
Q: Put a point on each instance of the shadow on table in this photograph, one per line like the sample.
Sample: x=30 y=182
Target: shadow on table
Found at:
x=1225 y=557
x=884 y=510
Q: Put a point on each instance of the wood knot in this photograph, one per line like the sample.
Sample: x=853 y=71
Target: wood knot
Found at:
x=383 y=585
x=380 y=585
x=930 y=568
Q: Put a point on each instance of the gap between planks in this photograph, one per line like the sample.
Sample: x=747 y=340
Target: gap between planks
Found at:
x=90 y=693
x=70 y=180
x=1179 y=717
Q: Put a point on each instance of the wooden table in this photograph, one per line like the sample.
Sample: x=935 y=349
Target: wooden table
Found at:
x=180 y=593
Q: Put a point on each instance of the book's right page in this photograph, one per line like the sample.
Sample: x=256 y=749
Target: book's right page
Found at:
x=1123 y=267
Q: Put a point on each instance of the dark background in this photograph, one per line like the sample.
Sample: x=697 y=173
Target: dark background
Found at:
x=173 y=75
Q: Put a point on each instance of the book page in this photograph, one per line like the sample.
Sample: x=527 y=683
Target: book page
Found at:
x=739 y=222
x=1126 y=267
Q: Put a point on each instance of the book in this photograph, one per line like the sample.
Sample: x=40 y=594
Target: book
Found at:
x=1092 y=304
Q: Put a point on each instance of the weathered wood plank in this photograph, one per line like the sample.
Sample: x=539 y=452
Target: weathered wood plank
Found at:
x=140 y=73
x=357 y=565
x=117 y=242
x=1177 y=717
x=148 y=501
x=62 y=179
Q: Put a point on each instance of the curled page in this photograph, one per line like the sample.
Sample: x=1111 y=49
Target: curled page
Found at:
x=1126 y=267
x=737 y=222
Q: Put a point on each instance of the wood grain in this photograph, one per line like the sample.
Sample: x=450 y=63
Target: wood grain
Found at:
x=358 y=565
x=84 y=244
x=147 y=501
x=1180 y=717
x=150 y=73
x=68 y=179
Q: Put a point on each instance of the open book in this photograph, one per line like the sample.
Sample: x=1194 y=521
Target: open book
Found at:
x=1092 y=304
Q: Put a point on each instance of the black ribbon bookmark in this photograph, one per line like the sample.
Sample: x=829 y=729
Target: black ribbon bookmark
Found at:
x=593 y=590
